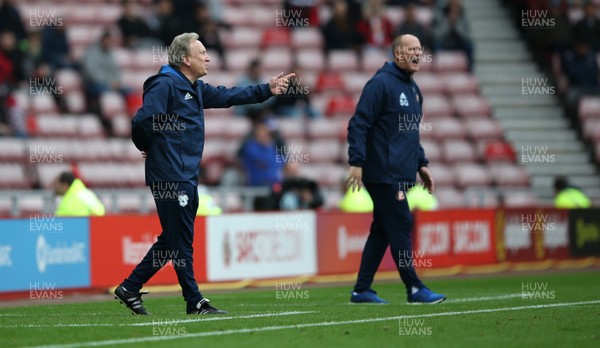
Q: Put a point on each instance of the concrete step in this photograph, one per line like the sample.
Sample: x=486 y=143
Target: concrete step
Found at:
x=519 y=111
x=542 y=138
x=567 y=170
x=583 y=181
x=502 y=56
x=518 y=70
x=556 y=147
x=534 y=125
x=523 y=100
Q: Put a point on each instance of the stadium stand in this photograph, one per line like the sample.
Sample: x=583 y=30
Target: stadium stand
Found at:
x=464 y=122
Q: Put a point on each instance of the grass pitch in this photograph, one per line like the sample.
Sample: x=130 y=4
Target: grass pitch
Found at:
x=542 y=310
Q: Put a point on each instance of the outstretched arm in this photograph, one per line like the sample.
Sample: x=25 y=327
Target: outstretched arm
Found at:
x=223 y=97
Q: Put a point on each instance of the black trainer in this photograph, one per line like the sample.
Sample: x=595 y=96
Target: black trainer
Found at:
x=131 y=300
x=204 y=307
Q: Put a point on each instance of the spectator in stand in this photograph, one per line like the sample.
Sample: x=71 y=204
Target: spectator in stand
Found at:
x=307 y=9
x=56 y=51
x=295 y=192
x=10 y=52
x=581 y=68
x=41 y=71
x=411 y=26
x=163 y=24
x=569 y=197
x=295 y=102
x=340 y=32
x=10 y=19
x=134 y=30
x=259 y=156
x=588 y=28
x=252 y=77
x=77 y=200
x=451 y=30
x=374 y=27
x=101 y=74
x=208 y=30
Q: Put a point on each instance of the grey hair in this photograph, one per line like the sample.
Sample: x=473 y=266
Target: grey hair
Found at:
x=180 y=47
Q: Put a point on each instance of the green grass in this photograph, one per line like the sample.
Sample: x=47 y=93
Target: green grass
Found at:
x=493 y=315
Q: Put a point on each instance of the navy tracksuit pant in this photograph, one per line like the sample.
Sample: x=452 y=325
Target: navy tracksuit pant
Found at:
x=392 y=225
x=176 y=205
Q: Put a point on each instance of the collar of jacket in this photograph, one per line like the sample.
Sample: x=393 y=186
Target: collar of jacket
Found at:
x=392 y=68
x=179 y=78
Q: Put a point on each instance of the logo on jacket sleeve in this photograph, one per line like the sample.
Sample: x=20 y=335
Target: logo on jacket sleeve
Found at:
x=403 y=100
x=188 y=96
x=183 y=200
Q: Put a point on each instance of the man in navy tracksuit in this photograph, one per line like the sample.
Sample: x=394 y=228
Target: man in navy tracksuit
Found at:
x=385 y=154
x=169 y=130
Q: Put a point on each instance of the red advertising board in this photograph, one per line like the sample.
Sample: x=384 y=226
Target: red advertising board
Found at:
x=340 y=241
x=118 y=244
x=532 y=234
x=454 y=237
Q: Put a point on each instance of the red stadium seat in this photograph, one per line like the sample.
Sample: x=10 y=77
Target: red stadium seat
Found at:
x=355 y=82
x=69 y=80
x=499 y=151
x=458 y=151
x=589 y=107
x=326 y=150
x=292 y=128
x=483 y=128
x=112 y=103
x=242 y=37
x=121 y=125
x=471 y=175
x=342 y=60
x=373 y=60
x=468 y=105
x=436 y=105
x=329 y=128
x=75 y=101
x=12 y=176
x=57 y=126
x=442 y=174
x=448 y=197
x=433 y=151
x=239 y=59
x=519 y=199
x=480 y=197
x=460 y=83
x=308 y=37
x=329 y=81
x=450 y=61
x=591 y=129
x=445 y=128
x=429 y=83
x=278 y=36
x=505 y=174
x=13 y=149
x=279 y=58
x=311 y=60
x=340 y=106
x=42 y=103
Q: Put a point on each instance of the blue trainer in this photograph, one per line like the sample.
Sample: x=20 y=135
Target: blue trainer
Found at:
x=424 y=295
x=368 y=296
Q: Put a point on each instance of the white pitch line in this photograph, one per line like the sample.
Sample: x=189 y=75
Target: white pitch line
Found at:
x=320 y=324
x=485 y=298
x=165 y=321
x=458 y=300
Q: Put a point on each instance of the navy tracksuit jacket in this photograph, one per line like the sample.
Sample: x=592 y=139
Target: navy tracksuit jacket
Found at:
x=169 y=127
x=383 y=138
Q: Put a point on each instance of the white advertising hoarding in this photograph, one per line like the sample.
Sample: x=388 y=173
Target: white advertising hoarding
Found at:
x=261 y=245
